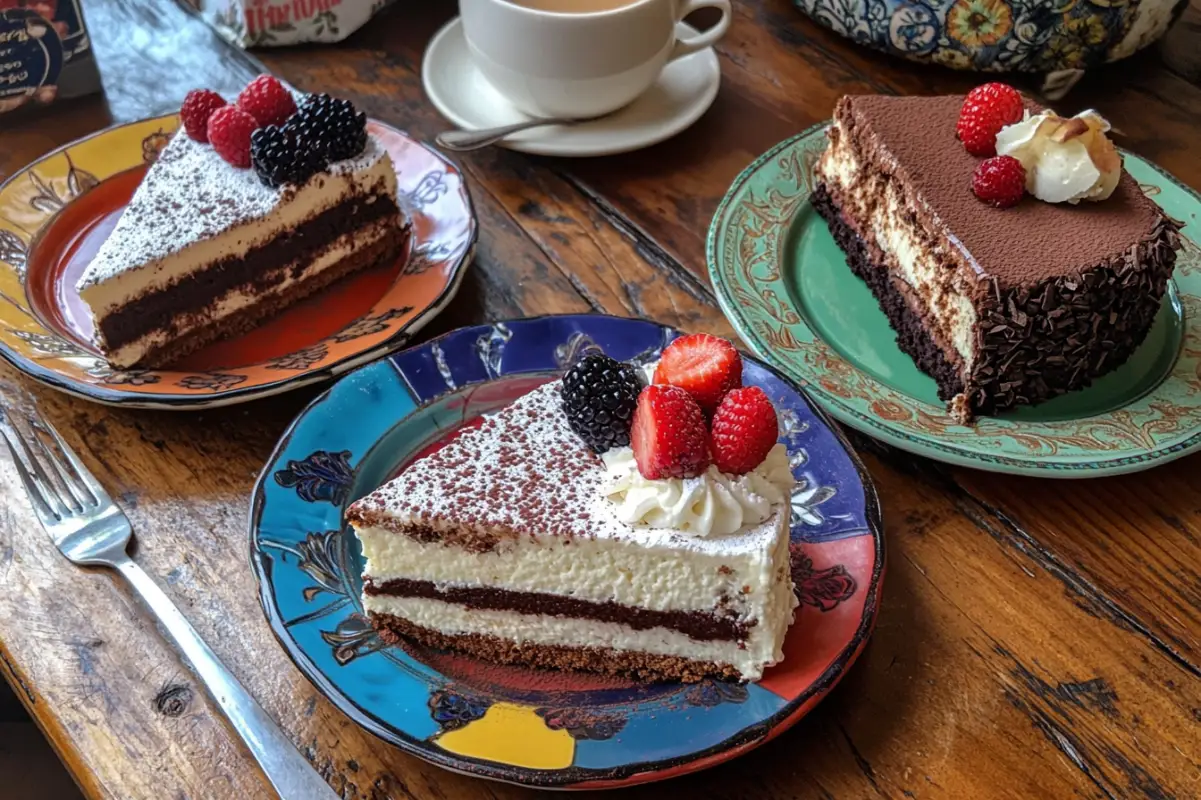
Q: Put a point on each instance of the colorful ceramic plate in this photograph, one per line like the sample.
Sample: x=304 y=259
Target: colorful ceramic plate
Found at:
x=786 y=288
x=539 y=727
x=57 y=211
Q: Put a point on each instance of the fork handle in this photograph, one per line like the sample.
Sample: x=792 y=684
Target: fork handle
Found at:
x=288 y=771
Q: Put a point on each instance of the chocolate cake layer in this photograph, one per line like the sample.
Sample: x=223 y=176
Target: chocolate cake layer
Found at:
x=381 y=252
x=695 y=624
x=913 y=336
x=493 y=650
x=256 y=271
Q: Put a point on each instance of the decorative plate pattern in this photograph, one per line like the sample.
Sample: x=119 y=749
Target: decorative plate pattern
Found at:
x=539 y=727
x=1000 y=35
x=785 y=286
x=55 y=212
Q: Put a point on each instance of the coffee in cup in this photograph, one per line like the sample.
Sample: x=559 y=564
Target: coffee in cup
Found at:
x=580 y=58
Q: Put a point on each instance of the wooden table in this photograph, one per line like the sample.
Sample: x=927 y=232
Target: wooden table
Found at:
x=1037 y=638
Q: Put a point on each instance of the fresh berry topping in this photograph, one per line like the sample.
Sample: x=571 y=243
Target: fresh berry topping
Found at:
x=229 y=132
x=277 y=160
x=266 y=99
x=197 y=107
x=1000 y=181
x=705 y=366
x=599 y=397
x=330 y=127
x=986 y=110
x=669 y=437
x=744 y=430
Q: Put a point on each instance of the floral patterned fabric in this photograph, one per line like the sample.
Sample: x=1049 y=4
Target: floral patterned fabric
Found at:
x=1001 y=35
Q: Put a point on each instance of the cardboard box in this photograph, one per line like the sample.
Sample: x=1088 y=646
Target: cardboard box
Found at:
x=267 y=23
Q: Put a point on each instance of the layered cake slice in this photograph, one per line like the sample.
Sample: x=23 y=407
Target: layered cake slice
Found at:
x=238 y=218
x=544 y=538
x=1014 y=256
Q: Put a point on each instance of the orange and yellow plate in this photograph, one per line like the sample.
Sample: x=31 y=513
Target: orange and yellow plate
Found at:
x=57 y=211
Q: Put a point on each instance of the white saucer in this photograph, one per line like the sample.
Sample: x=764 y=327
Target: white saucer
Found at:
x=684 y=91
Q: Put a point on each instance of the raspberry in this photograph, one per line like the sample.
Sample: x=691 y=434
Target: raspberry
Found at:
x=599 y=397
x=277 y=160
x=744 y=431
x=1000 y=181
x=986 y=110
x=704 y=365
x=229 y=130
x=197 y=107
x=668 y=435
x=330 y=127
x=266 y=99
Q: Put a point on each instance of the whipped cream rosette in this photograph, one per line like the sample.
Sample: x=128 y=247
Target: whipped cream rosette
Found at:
x=711 y=504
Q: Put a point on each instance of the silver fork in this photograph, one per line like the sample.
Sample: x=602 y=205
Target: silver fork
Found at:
x=89 y=529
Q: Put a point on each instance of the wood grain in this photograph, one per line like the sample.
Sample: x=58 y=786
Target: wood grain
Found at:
x=1037 y=639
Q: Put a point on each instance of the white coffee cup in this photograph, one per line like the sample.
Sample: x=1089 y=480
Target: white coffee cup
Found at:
x=580 y=64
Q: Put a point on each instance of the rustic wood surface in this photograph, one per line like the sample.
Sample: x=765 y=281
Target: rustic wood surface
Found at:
x=1037 y=638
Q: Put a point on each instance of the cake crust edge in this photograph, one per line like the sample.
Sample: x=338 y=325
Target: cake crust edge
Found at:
x=395 y=630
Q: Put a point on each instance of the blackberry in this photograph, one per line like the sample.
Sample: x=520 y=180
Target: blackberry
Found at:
x=330 y=127
x=276 y=158
x=599 y=397
x=306 y=137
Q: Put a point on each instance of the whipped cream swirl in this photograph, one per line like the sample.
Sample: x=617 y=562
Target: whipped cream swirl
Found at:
x=712 y=504
x=1066 y=160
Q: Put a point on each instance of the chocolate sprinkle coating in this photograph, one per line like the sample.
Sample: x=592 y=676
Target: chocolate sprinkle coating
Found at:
x=1034 y=342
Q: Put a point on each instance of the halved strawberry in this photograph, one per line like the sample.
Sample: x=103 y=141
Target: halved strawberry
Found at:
x=668 y=434
x=703 y=365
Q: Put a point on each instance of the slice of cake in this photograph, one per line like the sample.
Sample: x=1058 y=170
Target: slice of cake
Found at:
x=223 y=233
x=519 y=543
x=1002 y=306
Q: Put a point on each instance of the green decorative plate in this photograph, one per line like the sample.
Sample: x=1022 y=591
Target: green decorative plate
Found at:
x=786 y=288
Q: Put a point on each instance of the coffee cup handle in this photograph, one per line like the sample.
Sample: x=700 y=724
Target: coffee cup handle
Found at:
x=708 y=38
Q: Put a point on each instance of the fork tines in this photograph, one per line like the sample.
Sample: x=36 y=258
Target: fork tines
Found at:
x=57 y=482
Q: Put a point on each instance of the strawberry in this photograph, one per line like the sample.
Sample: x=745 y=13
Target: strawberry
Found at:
x=229 y=131
x=704 y=365
x=744 y=430
x=266 y=99
x=197 y=107
x=1000 y=181
x=986 y=110
x=668 y=434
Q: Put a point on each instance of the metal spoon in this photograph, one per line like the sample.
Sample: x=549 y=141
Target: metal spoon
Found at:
x=463 y=141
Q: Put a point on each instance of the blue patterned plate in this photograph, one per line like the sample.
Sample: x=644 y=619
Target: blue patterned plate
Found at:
x=540 y=727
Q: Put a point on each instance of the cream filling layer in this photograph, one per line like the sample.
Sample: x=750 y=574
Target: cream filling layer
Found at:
x=877 y=206
x=233 y=302
x=655 y=576
x=762 y=647
x=321 y=193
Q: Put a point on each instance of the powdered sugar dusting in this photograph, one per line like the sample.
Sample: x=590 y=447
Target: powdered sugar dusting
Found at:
x=191 y=194
x=524 y=470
